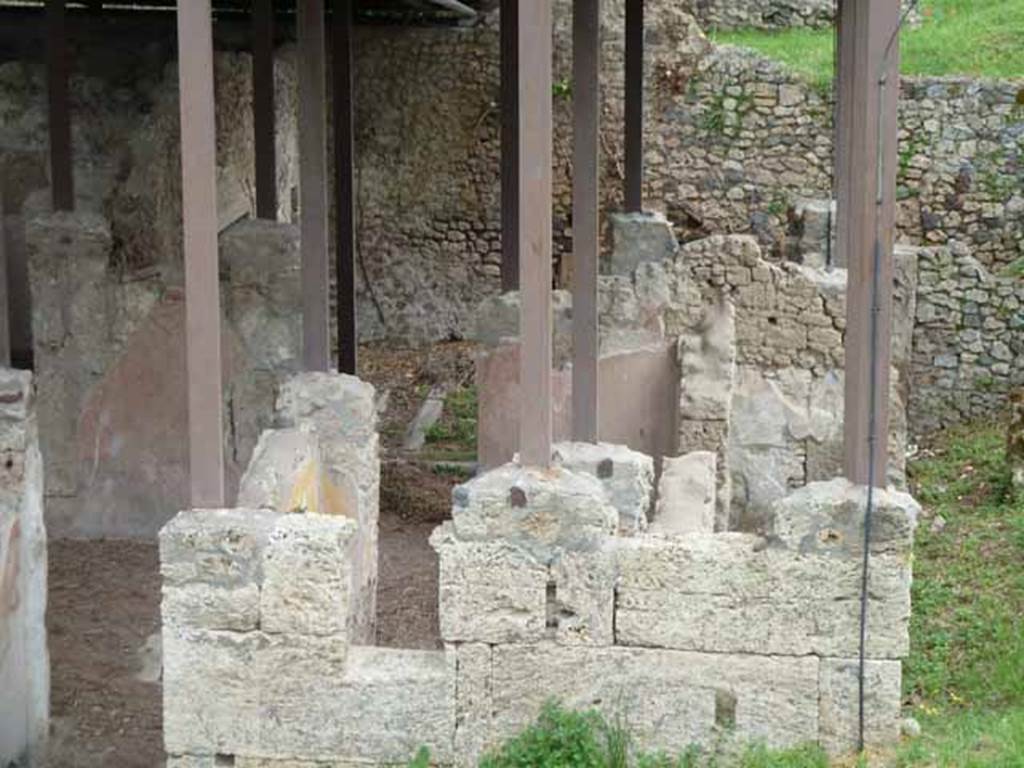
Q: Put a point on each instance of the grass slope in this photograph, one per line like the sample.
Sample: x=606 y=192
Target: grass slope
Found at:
x=956 y=37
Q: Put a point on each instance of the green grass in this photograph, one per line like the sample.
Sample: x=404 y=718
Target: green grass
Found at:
x=964 y=679
x=956 y=37
x=453 y=437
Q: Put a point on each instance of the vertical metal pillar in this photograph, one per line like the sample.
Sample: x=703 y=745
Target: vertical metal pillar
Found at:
x=5 y=312
x=866 y=189
x=344 y=188
x=313 y=184
x=509 y=26
x=202 y=284
x=263 y=108
x=585 y=234
x=535 y=157
x=634 y=128
x=57 y=71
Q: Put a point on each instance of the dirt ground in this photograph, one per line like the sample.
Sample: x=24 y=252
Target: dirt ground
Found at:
x=104 y=596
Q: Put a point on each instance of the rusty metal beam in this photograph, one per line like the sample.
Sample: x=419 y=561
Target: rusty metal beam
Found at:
x=62 y=185
x=634 y=128
x=5 y=312
x=202 y=285
x=866 y=190
x=509 y=23
x=263 y=108
x=535 y=157
x=313 y=185
x=585 y=234
x=344 y=187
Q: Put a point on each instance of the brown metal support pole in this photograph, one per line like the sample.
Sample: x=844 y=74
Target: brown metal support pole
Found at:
x=313 y=185
x=57 y=69
x=344 y=188
x=535 y=157
x=202 y=285
x=634 y=129
x=509 y=23
x=263 y=108
x=866 y=190
x=586 y=124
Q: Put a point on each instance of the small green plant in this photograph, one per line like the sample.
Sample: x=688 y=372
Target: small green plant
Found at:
x=422 y=759
x=455 y=432
x=559 y=738
x=562 y=89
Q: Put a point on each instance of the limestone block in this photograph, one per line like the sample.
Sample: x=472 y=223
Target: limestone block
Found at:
x=540 y=510
x=491 y=592
x=581 y=597
x=638 y=238
x=306 y=575
x=838 y=703
x=627 y=476
x=686 y=494
x=221 y=548
x=671 y=698
x=733 y=593
x=708 y=365
x=828 y=518
x=342 y=409
x=473 y=705
x=284 y=473
x=206 y=606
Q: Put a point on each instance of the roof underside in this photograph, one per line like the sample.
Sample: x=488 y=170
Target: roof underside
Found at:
x=367 y=11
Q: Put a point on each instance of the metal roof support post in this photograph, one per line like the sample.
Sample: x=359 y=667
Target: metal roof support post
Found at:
x=585 y=231
x=535 y=272
x=509 y=30
x=634 y=129
x=868 y=100
x=263 y=108
x=62 y=185
x=344 y=188
x=202 y=284
x=313 y=184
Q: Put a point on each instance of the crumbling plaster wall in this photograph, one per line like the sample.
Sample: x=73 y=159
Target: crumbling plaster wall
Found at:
x=697 y=639
x=24 y=659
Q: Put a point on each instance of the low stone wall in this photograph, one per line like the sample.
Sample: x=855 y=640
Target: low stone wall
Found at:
x=968 y=338
x=703 y=638
x=24 y=660
x=767 y=14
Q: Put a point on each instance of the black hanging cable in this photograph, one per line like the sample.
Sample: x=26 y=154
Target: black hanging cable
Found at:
x=876 y=269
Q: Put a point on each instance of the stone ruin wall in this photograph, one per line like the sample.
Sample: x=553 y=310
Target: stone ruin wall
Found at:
x=756 y=351
x=767 y=14
x=24 y=659
x=548 y=588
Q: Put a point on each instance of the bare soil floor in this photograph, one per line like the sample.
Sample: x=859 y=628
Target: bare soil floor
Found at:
x=104 y=598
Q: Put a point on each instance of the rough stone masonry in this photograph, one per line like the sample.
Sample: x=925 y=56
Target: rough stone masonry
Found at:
x=550 y=587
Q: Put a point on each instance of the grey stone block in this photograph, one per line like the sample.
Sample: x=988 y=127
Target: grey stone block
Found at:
x=839 y=706
x=541 y=510
x=731 y=593
x=581 y=598
x=639 y=238
x=627 y=476
x=490 y=592
x=207 y=606
x=686 y=494
x=284 y=473
x=220 y=548
x=668 y=698
x=306 y=575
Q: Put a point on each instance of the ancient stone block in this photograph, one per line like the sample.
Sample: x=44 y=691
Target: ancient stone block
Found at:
x=473 y=705
x=828 y=518
x=306 y=575
x=668 y=698
x=839 y=703
x=708 y=366
x=203 y=605
x=581 y=597
x=639 y=238
x=489 y=591
x=686 y=494
x=284 y=473
x=540 y=510
x=735 y=593
x=221 y=548
x=627 y=476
